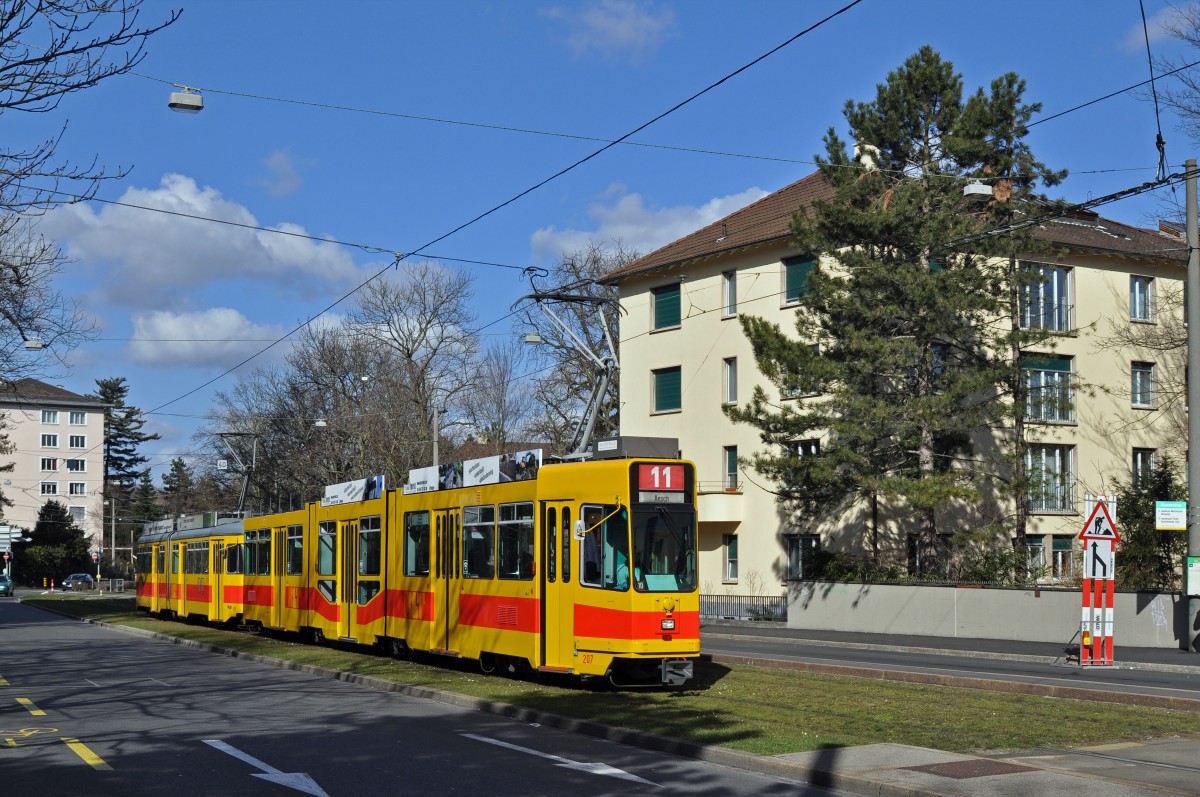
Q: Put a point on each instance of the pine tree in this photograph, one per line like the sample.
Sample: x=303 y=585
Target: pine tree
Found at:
x=122 y=433
x=56 y=548
x=897 y=329
x=1148 y=558
x=179 y=488
x=145 y=506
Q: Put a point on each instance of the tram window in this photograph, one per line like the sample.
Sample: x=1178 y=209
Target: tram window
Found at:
x=664 y=550
x=233 y=559
x=416 y=543
x=551 y=544
x=295 y=550
x=479 y=538
x=258 y=552
x=326 y=548
x=366 y=591
x=143 y=560
x=566 y=544
x=162 y=559
x=515 y=550
x=174 y=559
x=368 y=546
x=605 y=547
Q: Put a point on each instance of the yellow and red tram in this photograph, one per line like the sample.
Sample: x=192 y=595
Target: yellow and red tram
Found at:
x=587 y=568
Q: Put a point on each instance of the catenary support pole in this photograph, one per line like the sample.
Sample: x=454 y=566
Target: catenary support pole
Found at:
x=1193 y=389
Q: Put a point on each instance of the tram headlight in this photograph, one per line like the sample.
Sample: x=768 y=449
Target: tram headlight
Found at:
x=668 y=624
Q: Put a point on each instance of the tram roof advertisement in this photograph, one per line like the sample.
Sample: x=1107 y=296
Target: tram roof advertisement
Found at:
x=353 y=492
x=517 y=466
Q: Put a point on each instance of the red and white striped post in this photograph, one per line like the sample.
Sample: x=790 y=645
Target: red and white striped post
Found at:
x=1100 y=538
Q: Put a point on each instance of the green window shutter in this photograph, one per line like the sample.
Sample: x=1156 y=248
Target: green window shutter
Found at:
x=667 y=390
x=666 y=306
x=795 y=278
x=1043 y=362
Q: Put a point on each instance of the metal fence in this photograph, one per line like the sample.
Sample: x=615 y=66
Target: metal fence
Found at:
x=771 y=608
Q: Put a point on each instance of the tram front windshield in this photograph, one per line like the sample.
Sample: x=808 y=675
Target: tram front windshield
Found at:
x=664 y=550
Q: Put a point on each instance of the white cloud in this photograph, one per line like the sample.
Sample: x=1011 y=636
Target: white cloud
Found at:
x=219 y=337
x=284 y=177
x=613 y=28
x=1157 y=25
x=628 y=220
x=155 y=259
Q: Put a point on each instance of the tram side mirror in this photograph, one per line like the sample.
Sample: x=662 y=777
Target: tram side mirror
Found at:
x=580 y=528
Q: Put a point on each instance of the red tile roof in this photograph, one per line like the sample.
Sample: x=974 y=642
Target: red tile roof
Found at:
x=28 y=391
x=768 y=221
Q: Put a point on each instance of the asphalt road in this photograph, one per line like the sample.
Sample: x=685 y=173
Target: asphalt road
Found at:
x=88 y=710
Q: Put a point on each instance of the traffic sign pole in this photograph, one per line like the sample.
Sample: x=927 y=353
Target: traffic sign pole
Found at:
x=1100 y=537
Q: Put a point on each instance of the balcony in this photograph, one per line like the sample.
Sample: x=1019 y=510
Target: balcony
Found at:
x=719 y=502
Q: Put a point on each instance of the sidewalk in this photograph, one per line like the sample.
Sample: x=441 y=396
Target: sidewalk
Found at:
x=1161 y=766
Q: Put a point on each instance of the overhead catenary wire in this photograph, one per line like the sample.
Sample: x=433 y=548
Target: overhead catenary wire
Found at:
x=496 y=208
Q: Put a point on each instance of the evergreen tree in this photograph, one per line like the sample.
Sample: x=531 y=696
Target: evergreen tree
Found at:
x=179 y=488
x=1146 y=557
x=145 y=506
x=57 y=547
x=897 y=334
x=122 y=433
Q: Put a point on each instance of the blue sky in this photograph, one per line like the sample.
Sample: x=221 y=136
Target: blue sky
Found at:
x=309 y=127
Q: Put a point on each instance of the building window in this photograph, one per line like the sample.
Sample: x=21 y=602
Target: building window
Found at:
x=49 y=464
x=729 y=294
x=1141 y=298
x=730 y=544
x=916 y=566
x=49 y=416
x=49 y=441
x=795 y=278
x=803 y=448
x=797 y=386
x=1035 y=549
x=1142 y=384
x=78 y=418
x=79 y=514
x=801 y=552
x=668 y=389
x=1048 y=388
x=1051 y=478
x=77 y=488
x=1143 y=466
x=1063 y=564
x=49 y=488
x=77 y=465
x=1045 y=301
x=665 y=301
x=77 y=441
x=731 y=467
x=730 y=381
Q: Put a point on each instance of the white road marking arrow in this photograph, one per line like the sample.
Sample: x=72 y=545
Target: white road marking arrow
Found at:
x=293 y=780
x=595 y=769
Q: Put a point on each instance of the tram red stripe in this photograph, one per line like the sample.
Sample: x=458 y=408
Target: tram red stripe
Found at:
x=259 y=595
x=603 y=623
x=503 y=612
x=201 y=593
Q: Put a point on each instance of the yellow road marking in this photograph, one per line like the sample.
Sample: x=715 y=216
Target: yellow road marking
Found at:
x=34 y=710
x=80 y=749
x=2 y=681
x=10 y=737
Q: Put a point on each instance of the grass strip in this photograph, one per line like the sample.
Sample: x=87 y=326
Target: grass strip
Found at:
x=756 y=710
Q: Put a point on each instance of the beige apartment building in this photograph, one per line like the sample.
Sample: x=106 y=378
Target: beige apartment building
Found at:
x=58 y=437
x=683 y=357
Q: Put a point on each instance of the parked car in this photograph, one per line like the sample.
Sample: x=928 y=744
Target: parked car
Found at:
x=78 y=582
x=6 y=586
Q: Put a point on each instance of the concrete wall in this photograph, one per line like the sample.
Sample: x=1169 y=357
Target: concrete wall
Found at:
x=1141 y=619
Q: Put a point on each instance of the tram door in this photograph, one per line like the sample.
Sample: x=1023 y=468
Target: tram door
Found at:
x=448 y=575
x=348 y=567
x=216 y=580
x=175 y=587
x=557 y=619
x=277 y=543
